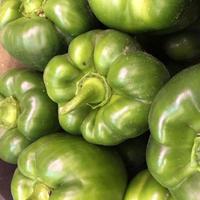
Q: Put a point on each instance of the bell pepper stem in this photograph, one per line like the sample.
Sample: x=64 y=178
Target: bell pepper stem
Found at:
x=92 y=90
x=30 y=8
x=9 y=110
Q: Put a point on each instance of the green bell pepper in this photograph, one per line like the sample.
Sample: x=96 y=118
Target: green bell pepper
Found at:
x=37 y=28
x=173 y=150
x=9 y=10
x=145 y=187
x=183 y=46
x=147 y=15
x=27 y=113
x=104 y=86
x=60 y=166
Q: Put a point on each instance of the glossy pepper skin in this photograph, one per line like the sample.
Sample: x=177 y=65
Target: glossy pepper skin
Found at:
x=27 y=113
x=69 y=168
x=144 y=187
x=183 y=46
x=39 y=28
x=104 y=86
x=147 y=15
x=173 y=149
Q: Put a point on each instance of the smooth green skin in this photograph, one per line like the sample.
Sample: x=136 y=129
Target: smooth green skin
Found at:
x=146 y=15
x=60 y=166
x=173 y=149
x=34 y=41
x=112 y=56
x=38 y=28
x=183 y=46
x=71 y=17
x=145 y=187
x=9 y=11
x=37 y=113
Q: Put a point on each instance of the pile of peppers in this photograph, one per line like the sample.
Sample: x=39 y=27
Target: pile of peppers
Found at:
x=108 y=105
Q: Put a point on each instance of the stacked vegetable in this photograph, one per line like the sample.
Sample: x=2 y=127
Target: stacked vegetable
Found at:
x=97 y=88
